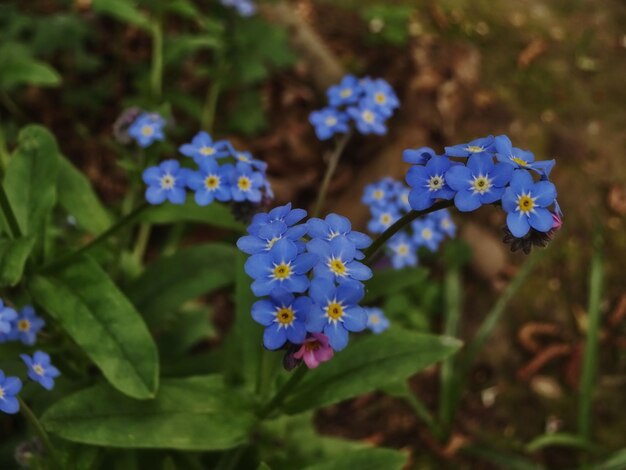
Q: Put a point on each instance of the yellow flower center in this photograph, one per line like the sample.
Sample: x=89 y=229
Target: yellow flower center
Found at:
x=212 y=182
x=474 y=148
x=385 y=219
x=312 y=346
x=244 y=183
x=435 y=182
x=519 y=161
x=374 y=320
x=1 y=393
x=427 y=234
x=346 y=92
x=147 y=130
x=481 y=184
x=23 y=325
x=285 y=316
x=330 y=121
x=368 y=116
x=405 y=198
x=206 y=151
x=282 y=271
x=38 y=369
x=378 y=194
x=445 y=223
x=402 y=249
x=168 y=181
x=334 y=311
x=242 y=157
x=270 y=243
x=380 y=98
x=525 y=203
x=337 y=267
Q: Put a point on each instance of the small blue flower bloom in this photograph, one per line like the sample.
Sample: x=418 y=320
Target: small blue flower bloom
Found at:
x=9 y=388
x=328 y=122
x=428 y=183
x=347 y=92
x=210 y=182
x=403 y=199
x=40 y=370
x=518 y=158
x=166 y=182
x=484 y=145
x=284 y=317
x=337 y=260
x=7 y=317
x=243 y=7
x=266 y=235
x=367 y=119
x=281 y=213
x=26 y=326
x=377 y=322
x=382 y=218
x=282 y=267
x=147 y=128
x=334 y=226
x=443 y=221
x=379 y=194
x=418 y=156
x=245 y=183
x=380 y=96
x=403 y=252
x=203 y=147
x=335 y=311
x=425 y=233
x=246 y=157
x=525 y=202
x=480 y=182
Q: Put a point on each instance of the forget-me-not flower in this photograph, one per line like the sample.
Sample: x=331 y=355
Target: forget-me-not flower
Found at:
x=166 y=182
x=484 y=145
x=380 y=96
x=40 y=369
x=26 y=326
x=347 y=92
x=403 y=252
x=428 y=183
x=328 y=122
x=377 y=322
x=7 y=316
x=202 y=147
x=246 y=184
x=367 y=119
x=9 y=388
x=519 y=158
x=210 y=182
x=337 y=260
x=147 y=128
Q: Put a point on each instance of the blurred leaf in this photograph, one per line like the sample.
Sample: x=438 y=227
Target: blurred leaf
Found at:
x=248 y=116
x=123 y=10
x=390 y=281
x=559 y=439
x=30 y=179
x=184 y=331
x=366 y=459
x=616 y=461
x=183 y=47
x=103 y=322
x=13 y=256
x=216 y=214
x=18 y=67
x=183 y=8
x=389 y=22
x=503 y=460
x=187 y=274
x=367 y=365
x=195 y=413
x=79 y=200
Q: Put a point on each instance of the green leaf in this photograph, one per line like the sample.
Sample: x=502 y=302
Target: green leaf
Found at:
x=263 y=466
x=184 y=46
x=616 y=461
x=367 y=365
x=194 y=413
x=18 y=67
x=187 y=274
x=503 y=460
x=390 y=281
x=559 y=439
x=366 y=459
x=30 y=180
x=123 y=10
x=13 y=256
x=217 y=215
x=104 y=323
x=78 y=198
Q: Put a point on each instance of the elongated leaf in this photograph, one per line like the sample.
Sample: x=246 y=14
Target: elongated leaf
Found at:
x=366 y=459
x=503 y=460
x=617 y=461
x=389 y=281
x=123 y=10
x=13 y=256
x=194 y=413
x=30 y=180
x=18 y=67
x=104 y=323
x=78 y=198
x=216 y=214
x=559 y=439
x=367 y=365
x=187 y=274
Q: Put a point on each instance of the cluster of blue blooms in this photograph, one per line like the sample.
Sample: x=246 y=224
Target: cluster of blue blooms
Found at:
x=309 y=276
x=239 y=178
x=368 y=102
x=243 y=7
x=487 y=171
x=23 y=326
x=388 y=200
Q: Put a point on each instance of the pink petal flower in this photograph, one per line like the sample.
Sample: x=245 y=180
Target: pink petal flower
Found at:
x=315 y=350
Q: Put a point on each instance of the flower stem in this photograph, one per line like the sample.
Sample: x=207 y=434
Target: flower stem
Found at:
x=9 y=215
x=330 y=171
x=282 y=393
x=41 y=432
x=156 y=73
x=399 y=225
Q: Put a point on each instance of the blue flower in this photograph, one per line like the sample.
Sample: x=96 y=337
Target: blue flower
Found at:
x=402 y=251
x=518 y=158
x=443 y=222
x=337 y=260
x=367 y=119
x=428 y=183
x=203 y=147
x=380 y=193
x=7 y=316
x=282 y=267
x=283 y=315
x=425 y=233
x=418 y=156
x=166 y=181
x=403 y=199
x=147 y=128
x=335 y=311
x=480 y=182
x=210 y=182
x=40 y=370
x=380 y=96
x=281 y=213
x=347 y=92
x=377 y=322
x=264 y=236
x=525 y=203
x=484 y=145
x=246 y=183
x=9 y=388
x=334 y=226
x=243 y=7
x=328 y=122
x=382 y=218
x=26 y=326
x=246 y=157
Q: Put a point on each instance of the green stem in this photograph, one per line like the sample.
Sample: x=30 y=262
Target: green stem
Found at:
x=9 y=215
x=4 y=153
x=141 y=244
x=399 y=225
x=330 y=171
x=590 y=358
x=421 y=410
x=156 y=73
x=282 y=393
x=210 y=104
x=41 y=432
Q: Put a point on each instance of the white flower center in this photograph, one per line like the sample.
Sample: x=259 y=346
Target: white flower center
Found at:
x=435 y=182
x=167 y=181
x=481 y=184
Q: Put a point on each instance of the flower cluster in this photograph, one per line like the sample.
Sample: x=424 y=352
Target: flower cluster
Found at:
x=488 y=170
x=368 y=102
x=23 y=326
x=243 y=7
x=388 y=200
x=222 y=174
x=146 y=129
x=310 y=278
